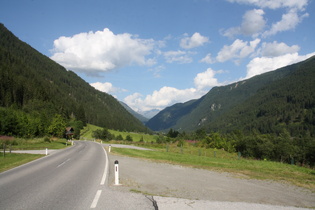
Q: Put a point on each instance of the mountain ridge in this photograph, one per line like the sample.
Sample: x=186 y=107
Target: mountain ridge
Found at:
x=214 y=107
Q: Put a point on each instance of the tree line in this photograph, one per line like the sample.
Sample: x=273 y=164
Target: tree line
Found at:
x=281 y=147
x=14 y=122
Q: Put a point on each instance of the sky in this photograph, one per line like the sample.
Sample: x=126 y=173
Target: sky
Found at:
x=151 y=54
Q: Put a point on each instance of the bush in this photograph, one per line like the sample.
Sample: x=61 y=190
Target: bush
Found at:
x=47 y=139
x=129 y=138
x=103 y=134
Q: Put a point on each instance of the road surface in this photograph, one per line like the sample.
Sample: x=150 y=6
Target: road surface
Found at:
x=72 y=178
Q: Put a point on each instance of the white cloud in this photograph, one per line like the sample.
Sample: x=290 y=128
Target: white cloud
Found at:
x=261 y=65
x=178 y=56
x=160 y=99
x=195 y=40
x=167 y=96
x=206 y=79
x=101 y=51
x=106 y=87
x=274 y=4
x=288 y=22
x=253 y=23
x=275 y=49
x=237 y=50
x=157 y=70
x=208 y=59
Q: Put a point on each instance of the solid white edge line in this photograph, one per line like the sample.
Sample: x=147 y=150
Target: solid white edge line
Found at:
x=106 y=168
x=97 y=196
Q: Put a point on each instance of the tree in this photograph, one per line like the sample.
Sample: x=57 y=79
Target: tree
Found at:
x=172 y=133
x=57 y=126
x=103 y=134
x=119 y=137
x=129 y=138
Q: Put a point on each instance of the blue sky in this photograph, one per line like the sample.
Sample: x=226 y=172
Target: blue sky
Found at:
x=152 y=54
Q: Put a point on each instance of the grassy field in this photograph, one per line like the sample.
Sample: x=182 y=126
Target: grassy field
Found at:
x=12 y=160
x=136 y=137
x=86 y=133
x=226 y=162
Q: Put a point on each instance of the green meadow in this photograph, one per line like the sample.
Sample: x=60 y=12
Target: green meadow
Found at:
x=87 y=134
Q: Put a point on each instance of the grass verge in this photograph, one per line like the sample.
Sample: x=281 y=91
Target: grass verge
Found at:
x=12 y=160
x=39 y=144
x=242 y=168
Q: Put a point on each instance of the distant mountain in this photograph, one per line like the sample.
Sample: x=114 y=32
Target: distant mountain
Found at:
x=149 y=114
x=134 y=113
x=277 y=100
x=34 y=84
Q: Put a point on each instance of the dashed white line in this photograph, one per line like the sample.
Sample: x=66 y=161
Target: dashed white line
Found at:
x=63 y=163
x=97 y=196
x=98 y=193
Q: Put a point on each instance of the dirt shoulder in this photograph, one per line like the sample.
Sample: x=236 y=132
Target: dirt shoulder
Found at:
x=166 y=180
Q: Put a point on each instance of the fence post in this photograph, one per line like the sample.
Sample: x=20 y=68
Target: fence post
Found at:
x=116 y=173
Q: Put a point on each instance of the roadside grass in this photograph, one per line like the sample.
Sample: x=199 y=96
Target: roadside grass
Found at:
x=12 y=160
x=231 y=163
x=38 y=144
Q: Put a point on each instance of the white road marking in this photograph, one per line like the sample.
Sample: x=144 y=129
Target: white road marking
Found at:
x=97 y=196
x=106 y=168
x=63 y=163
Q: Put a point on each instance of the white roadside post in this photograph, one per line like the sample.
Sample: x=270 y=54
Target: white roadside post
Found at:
x=46 y=151
x=109 y=148
x=116 y=173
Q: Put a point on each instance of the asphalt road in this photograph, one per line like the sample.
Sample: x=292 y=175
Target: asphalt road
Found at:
x=72 y=178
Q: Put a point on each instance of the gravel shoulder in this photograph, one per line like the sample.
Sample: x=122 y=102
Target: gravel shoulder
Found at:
x=177 y=187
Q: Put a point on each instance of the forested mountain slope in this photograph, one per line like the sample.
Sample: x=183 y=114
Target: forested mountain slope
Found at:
x=288 y=103
x=34 y=84
x=271 y=102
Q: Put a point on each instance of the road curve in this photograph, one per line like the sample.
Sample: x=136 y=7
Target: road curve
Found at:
x=67 y=179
